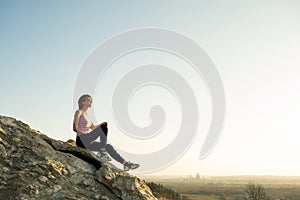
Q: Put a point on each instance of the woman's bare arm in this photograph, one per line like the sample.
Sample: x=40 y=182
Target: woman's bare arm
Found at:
x=94 y=127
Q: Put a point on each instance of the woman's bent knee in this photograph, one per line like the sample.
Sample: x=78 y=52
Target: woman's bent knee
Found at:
x=104 y=124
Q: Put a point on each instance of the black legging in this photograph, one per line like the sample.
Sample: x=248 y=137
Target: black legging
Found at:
x=87 y=141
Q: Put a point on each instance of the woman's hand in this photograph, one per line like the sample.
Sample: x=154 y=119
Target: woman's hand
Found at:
x=101 y=124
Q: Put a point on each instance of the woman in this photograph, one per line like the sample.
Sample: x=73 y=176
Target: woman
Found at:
x=87 y=139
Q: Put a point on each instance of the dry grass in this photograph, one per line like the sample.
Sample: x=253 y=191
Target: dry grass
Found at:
x=233 y=187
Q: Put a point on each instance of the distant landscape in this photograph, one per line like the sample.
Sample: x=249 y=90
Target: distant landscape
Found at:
x=229 y=187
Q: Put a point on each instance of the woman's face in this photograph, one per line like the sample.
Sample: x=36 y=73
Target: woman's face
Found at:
x=88 y=102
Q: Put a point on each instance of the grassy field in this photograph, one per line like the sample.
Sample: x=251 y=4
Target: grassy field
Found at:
x=232 y=187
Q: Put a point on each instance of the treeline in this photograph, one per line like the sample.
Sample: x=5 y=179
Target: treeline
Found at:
x=164 y=193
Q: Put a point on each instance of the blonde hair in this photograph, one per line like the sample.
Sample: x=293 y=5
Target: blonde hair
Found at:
x=82 y=99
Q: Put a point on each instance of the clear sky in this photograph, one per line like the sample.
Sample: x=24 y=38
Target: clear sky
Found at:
x=255 y=46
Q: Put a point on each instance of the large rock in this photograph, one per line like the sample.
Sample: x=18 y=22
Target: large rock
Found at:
x=34 y=166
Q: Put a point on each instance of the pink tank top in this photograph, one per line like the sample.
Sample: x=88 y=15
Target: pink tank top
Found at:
x=84 y=123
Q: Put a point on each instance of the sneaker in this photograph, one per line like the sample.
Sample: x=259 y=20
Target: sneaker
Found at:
x=130 y=165
x=103 y=156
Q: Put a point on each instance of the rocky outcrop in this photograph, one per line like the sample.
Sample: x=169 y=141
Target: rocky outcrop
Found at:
x=34 y=166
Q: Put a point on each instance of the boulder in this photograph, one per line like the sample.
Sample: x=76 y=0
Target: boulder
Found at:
x=34 y=166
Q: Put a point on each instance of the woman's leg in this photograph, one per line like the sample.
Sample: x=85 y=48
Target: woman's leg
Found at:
x=95 y=146
x=114 y=154
x=79 y=142
x=90 y=137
